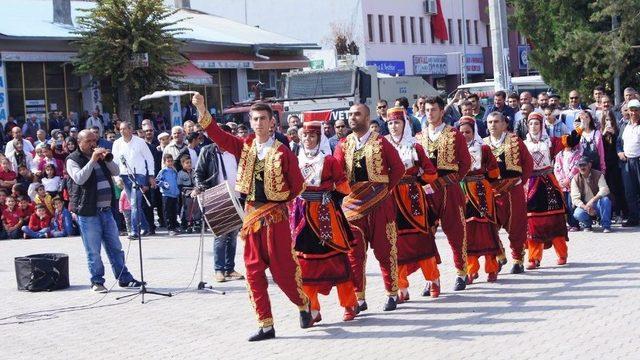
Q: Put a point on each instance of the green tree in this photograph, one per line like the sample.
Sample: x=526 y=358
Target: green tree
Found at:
x=116 y=33
x=573 y=44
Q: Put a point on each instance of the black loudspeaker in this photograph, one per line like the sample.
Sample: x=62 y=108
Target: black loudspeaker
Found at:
x=42 y=272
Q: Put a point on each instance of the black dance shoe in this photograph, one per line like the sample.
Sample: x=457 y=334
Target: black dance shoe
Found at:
x=391 y=304
x=263 y=335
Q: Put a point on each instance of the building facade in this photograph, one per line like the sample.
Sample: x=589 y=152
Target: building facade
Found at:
x=226 y=59
x=396 y=36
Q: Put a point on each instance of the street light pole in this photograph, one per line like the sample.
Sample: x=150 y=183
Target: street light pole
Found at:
x=464 y=44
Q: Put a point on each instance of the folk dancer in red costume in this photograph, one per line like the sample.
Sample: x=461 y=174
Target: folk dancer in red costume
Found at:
x=447 y=150
x=515 y=165
x=269 y=176
x=545 y=201
x=416 y=241
x=320 y=230
x=373 y=168
x=480 y=211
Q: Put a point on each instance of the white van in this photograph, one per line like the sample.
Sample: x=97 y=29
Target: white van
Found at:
x=485 y=90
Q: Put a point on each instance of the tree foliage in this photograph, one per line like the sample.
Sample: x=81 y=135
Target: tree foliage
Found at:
x=573 y=44
x=113 y=32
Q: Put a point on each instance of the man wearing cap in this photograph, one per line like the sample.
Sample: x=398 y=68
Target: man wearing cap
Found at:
x=589 y=194
x=373 y=169
x=629 y=153
x=515 y=165
x=448 y=152
x=269 y=176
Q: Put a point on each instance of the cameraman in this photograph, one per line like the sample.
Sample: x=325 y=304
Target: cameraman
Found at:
x=91 y=196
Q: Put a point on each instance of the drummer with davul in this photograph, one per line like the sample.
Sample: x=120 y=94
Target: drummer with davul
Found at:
x=215 y=166
x=91 y=197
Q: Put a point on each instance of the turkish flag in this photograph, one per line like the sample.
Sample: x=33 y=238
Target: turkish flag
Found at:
x=439 y=25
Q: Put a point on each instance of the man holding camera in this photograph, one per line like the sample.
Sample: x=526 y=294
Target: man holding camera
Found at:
x=91 y=197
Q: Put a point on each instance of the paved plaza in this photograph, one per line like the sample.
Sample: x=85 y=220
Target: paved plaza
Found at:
x=589 y=309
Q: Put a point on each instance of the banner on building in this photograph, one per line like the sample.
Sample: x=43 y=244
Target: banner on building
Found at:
x=430 y=65
x=4 y=99
x=389 y=67
x=176 y=111
x=523 y=56
x=475 y=63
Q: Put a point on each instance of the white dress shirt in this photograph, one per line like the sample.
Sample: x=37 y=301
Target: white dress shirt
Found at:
x=631 y=140
x=137 y=155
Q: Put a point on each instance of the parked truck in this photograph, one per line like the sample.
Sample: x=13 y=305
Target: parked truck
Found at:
x=338 y=89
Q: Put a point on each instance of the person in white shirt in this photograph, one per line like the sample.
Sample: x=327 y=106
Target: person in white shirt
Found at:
x=94 y=120
x=629 y=153
x=16 y=133
x=138 y=164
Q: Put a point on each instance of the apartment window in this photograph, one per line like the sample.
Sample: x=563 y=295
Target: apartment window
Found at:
x=421 y=30
x=488 y=29
x=391 y=26
x=403 y=34
x=433 y=37
x=475 y=30
x=381 y=27
x=412 y=24
x=459 y=31
x=468 y=31
x=370 y=25
x=450 y=29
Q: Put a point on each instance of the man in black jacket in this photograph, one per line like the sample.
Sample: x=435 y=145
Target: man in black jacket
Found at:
x=91 y=197
x=215 y=166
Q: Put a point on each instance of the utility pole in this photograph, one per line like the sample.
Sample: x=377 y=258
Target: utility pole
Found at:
x=464 y=45
x=616 y=79
x=499 y=43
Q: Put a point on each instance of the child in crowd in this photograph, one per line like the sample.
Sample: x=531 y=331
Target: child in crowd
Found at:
x=25 y=208
x=125 y=208
x=49 y=159
x=190 y=214
x=11 y=220
x=51 y=181
x=7 y=175
x=43 y=198
x=37 y=159
x=61 y=224
x=38 y=224
x=167 y=180
x=25 y=177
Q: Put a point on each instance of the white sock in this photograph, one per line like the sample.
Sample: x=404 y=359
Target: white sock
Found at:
x=314 y=313
x=267 y=328
x=360 y=302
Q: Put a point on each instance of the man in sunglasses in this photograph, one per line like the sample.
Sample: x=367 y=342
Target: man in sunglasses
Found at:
x=381 y=110
x=342 y=130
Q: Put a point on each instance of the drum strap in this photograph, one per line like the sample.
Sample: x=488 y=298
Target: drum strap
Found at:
x=224 y=170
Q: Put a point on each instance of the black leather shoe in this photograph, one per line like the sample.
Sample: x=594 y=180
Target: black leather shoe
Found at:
x=629 y=223
x=306 y=320
x=391 y=304
x=362 y=307
x=461 y=283
x=427 y=290
x=263 y=335
x=517 y=269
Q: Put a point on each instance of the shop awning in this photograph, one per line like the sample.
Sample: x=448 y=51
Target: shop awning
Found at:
x=238 y=60
x=189 y=73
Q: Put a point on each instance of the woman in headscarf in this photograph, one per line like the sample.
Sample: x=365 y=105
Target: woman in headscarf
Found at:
x=545 y=201
x=480 y=214
x=320 y=230
x=416 y=241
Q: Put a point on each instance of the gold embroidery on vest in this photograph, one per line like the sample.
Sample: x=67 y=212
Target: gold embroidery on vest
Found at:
x=511 y=151
x=446 y=147
x=348 y=148
x=247 y=162
x=373 y=155
x=274 y=184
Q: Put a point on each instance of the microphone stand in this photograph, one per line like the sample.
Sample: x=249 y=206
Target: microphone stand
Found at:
x=143 y=289
x=202 y=285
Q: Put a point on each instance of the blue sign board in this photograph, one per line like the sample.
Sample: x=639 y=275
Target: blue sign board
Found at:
x=389 y=67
